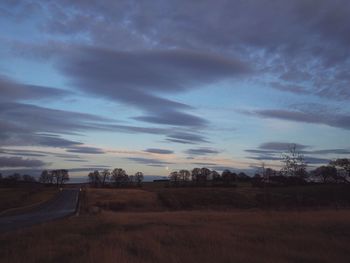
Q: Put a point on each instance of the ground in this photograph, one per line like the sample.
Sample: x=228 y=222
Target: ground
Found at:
x=136 y=225
x=22 y=196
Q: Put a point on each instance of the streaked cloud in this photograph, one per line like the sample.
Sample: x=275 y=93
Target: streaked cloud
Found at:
x=7 y=162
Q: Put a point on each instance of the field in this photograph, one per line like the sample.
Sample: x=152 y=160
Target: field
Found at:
x=22 y=196
x=151 y=225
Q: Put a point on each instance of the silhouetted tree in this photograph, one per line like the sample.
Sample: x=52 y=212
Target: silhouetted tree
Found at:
x=215 y=176
x=62 y=176
x=174 y=177
x=14 y=177
x=105 y=176
x=196 y=172
x=45 y=177
x=184 y=175
x=342 y=165
x=294 y=163
x=228 y=177
x=205 y=172
x=95 y=178
x=243 y=177
x=139 y=178
x=326 y=173
x=119 y=177
x=28 y=178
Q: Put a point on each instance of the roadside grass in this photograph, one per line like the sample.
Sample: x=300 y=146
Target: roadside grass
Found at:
x=185 y=236
x=245 y=196
x=157 y=224
x=15 y=197
x=122 y=199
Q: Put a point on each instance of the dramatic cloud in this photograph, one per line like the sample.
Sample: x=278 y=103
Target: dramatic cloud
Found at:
x=135 y=77
x=337 y=120
x=13 y=91
x=202 y=151
x=159 y=151
x=174 y=72
x=272 y=151
x=19 y=162
x=297 y=41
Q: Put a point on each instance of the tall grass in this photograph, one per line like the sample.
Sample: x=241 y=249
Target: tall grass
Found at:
x=144 y=230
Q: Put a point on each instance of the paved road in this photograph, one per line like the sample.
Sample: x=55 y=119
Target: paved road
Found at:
x=63 y=204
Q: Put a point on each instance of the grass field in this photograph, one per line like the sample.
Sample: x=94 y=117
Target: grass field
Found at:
x=136 y=225
x=15 y=197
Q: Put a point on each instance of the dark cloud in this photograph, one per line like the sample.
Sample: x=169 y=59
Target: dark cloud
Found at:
x=19 y=162
x=281 y=146
x=134 y=78
x=329 y=151
x=85 y=150
x=148 y=161
x=299 y=40
x=100 y=166
x=11 y=91
x=186 y=138
x=204 y=164
x=158 y=151
x=174 y=118
x=307 y=159
x=180 y=141
x=202 y=151
x=76 y=160
x=337 y=120
x=20 y=125
x=297 y=89
x=265 y=158
x=24 y=153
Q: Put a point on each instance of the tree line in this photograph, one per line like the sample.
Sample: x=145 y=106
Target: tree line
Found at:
x=54 y=177
x=204 y=176
x=117 y=177
x=294 y=172
x=15 y=179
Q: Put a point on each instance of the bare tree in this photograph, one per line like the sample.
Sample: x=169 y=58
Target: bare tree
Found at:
x=105 y=174
x=228 y=177
x=174 y=177
x=28 y=178
x=294 y=163
x=95 y=178
x=184 y=175
x=343 y=166
x=196 y=172
x=326 y=173
x=45 y=177
x=119 y=177
x=139 y=178
x=62 y=176
x=205 y=172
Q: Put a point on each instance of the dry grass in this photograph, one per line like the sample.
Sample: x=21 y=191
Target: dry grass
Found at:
x=135 y=226
x=123 y=199
x=24 y=196
x=185 y=236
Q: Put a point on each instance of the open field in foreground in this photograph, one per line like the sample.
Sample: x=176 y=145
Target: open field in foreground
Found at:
x=185 y=236
x=134 y=226
x=15 y=197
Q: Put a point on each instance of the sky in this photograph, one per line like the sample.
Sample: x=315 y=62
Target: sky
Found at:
x=158 y=86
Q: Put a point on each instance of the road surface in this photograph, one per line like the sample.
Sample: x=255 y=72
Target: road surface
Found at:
x=62 y=205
